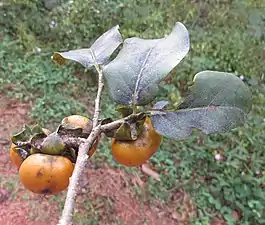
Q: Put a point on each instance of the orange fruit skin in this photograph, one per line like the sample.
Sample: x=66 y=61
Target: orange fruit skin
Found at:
x=82 y=122
x=14 y=156
x=136 y=153
x=77 y=121
x=94 y=147
x=46 y=174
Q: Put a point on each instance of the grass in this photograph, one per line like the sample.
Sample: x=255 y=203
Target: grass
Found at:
x=226 y=36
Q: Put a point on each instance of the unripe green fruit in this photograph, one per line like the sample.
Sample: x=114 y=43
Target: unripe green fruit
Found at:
x=52 y=145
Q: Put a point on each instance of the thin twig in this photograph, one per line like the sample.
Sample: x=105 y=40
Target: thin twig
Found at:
x=82 y=158
x=81 y=161
x=100 y=88
x=147 y=170
x=66 y=218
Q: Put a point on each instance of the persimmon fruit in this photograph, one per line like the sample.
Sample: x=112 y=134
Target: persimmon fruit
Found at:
x=136 y=153
x=85 y=123
x=46 y=174
x=15 y=157
x=53 y=144
x=77 y=121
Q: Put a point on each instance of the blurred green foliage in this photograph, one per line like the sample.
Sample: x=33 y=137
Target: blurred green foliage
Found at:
x=225 y=35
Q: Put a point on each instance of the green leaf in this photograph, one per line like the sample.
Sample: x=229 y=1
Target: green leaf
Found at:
x=218 y=102
x=37 y=139
x=123 y=133
x=23 y=135
x=99 y=52
x=69 y=129
x=37 y=129
x=178 y=125
x=133 y=76
x=124 y=110
x=212 y=88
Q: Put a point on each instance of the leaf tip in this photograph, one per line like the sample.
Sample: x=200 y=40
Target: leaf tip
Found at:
x=117 y=27
x=181 y=29
x=58 y=59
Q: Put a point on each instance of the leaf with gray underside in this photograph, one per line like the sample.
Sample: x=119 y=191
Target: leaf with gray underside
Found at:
x=212 y=88
x=99 y=53
x=178 y=125
x=133 y=76
x=217 y=102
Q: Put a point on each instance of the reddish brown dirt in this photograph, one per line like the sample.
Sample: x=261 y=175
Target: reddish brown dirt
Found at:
x=12 y=117
x=115 y=185
x=17 y=205
x=108 y=190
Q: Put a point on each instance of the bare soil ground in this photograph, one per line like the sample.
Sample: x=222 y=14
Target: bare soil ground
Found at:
x=106 y=193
